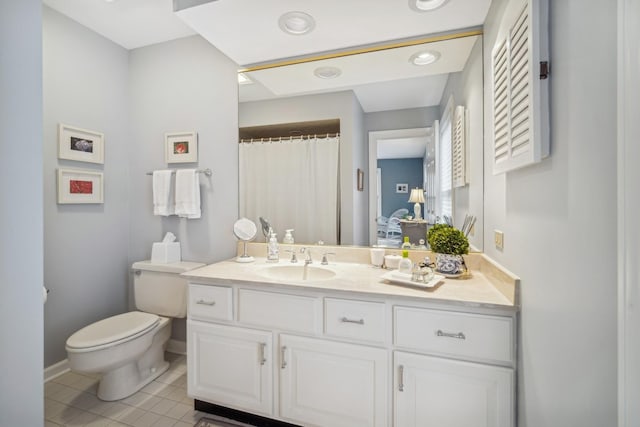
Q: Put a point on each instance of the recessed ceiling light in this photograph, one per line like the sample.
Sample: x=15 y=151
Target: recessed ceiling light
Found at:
x=327 y=72
x=296 y=23
x=426 y=5
x=425 y=57
x=243 y=79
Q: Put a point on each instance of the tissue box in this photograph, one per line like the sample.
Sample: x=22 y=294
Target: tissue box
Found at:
x=163 y=253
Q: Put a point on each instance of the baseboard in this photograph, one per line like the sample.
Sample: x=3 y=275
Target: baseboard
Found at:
x=177 y=347
x=56 y=370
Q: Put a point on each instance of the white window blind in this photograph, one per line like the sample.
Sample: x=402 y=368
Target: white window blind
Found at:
x=520 y=111
x=458 y=154
x=445 y=182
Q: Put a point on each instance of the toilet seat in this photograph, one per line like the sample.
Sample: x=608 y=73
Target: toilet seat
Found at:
x=112 y=331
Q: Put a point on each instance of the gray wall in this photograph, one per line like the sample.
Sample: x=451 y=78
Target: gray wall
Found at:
x=133 y=98
x=401 y=119
x=397 y=171
x=559 y=223
x=85 y=85
x=342 y=105
x=466 y=89
x=184 y=85
x=21 y=389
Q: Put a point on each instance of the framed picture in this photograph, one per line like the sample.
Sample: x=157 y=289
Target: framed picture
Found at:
x=80 y=144
x=80 y=186
x=181 y=147
x=360 y=179
x=402 y=188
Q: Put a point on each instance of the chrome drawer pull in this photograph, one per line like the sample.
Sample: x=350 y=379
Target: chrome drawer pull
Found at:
x=203 y=302
x=400 y=378
x=459 y=335
x=346 y=320
x=263 y=357
x=282 y=354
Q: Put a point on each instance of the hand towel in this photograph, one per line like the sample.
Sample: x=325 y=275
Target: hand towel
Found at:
x=163 y=199
x=187 y=193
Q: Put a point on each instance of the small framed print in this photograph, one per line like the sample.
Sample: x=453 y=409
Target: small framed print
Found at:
x=80 y=186
x=79 y=144
x=402 y=188
x=181 y=147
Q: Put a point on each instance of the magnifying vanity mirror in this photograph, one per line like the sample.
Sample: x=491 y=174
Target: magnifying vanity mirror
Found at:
x=367 y=128
x=245 y=230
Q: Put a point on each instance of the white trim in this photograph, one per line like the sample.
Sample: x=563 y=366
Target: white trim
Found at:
x=55 y=370
x=176 y=346
x=628 y=211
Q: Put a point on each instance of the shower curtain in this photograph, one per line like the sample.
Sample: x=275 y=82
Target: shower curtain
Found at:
x=294 y=184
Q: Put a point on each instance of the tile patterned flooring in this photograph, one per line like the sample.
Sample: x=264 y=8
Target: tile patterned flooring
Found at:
x=70 y=400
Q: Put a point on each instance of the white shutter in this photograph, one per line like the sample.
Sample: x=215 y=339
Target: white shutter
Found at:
x=458 y=148
x=520 y=110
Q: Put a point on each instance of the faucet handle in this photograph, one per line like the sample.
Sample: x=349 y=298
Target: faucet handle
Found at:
x=325 y=261
x=294 y=259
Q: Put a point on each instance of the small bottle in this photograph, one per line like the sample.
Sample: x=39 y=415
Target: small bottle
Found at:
x=406 y=245
x=272 y=247
x=288 y=237
x=405 y=265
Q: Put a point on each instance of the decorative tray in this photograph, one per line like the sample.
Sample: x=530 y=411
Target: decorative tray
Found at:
x=405 y=279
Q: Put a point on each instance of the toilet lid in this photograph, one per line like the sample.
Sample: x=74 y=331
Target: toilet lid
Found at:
x=112 y=329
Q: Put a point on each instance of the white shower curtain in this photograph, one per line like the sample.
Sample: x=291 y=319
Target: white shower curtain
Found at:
x=293 y=184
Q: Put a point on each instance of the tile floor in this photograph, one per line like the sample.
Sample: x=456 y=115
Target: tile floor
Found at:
x=70 y=400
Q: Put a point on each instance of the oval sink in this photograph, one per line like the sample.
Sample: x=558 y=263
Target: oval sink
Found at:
x=295 y=273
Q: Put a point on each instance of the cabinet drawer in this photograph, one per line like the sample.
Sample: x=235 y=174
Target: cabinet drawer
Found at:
x=278 y=311
x=210 y=302
x=355 y=319
x=471 y=336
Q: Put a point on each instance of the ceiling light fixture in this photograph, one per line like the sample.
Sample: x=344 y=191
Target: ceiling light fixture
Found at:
x=425 y=57
x=426 y=5
x=296 y=23
x=327 y=72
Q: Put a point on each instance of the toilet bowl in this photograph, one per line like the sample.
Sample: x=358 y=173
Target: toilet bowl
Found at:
x=128 y=349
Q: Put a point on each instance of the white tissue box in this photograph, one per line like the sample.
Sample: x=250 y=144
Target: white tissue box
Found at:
x=163 y=253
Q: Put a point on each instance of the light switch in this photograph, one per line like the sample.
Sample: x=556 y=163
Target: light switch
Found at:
x=498 y=239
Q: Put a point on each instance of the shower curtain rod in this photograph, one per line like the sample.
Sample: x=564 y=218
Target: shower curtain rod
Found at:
x=289 y=138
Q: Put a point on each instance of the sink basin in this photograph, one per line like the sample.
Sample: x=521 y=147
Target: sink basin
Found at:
x=302 y=273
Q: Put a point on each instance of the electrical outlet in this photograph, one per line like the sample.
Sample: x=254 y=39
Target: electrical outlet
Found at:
x=498 y=239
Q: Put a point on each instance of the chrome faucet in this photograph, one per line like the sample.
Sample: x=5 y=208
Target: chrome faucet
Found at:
x=307 y=252
x=325 y=261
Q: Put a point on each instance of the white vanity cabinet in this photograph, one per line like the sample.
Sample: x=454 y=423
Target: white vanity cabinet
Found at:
x=324 y=358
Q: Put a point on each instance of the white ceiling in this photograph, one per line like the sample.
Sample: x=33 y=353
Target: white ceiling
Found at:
x=247 y=32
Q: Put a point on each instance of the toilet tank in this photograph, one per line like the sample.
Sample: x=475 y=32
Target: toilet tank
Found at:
x=159 y=289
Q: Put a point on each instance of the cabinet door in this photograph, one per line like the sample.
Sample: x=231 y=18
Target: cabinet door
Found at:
x=324 y=383
x=230 y=366
x=431 y=391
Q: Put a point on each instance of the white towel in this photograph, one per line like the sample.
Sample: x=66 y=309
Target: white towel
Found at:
x=187 y=193
x=163 y=199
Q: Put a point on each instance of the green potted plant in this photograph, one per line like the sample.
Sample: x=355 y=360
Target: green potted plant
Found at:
x=449 y=244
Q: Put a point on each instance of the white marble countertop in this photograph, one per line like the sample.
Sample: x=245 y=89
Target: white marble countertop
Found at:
x=476 y=291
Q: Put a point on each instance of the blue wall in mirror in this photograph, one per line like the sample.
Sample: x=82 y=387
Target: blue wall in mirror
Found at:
x=399 y=171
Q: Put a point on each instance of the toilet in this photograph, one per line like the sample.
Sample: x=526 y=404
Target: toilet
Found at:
x=128 y=349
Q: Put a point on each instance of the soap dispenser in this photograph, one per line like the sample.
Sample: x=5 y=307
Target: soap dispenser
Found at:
x=288 y=237
x=272 y=247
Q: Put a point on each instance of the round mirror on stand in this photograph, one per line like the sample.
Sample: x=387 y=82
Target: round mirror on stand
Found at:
x=245 y=230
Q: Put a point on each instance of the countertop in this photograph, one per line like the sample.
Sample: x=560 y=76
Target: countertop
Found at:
x=477 y=291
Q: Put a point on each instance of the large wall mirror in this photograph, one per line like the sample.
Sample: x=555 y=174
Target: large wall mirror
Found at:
x=333 y=147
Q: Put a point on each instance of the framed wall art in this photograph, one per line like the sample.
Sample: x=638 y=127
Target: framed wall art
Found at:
x=80 y=186
x=181 y=147
x=80 y=144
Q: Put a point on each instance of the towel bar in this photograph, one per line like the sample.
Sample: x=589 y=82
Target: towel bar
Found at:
x=207 y=172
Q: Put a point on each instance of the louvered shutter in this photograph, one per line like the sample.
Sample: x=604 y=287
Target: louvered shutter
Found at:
x=520 y=95
x=458 y=148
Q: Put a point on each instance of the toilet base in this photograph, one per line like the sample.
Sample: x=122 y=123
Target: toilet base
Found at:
x=129 y=378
